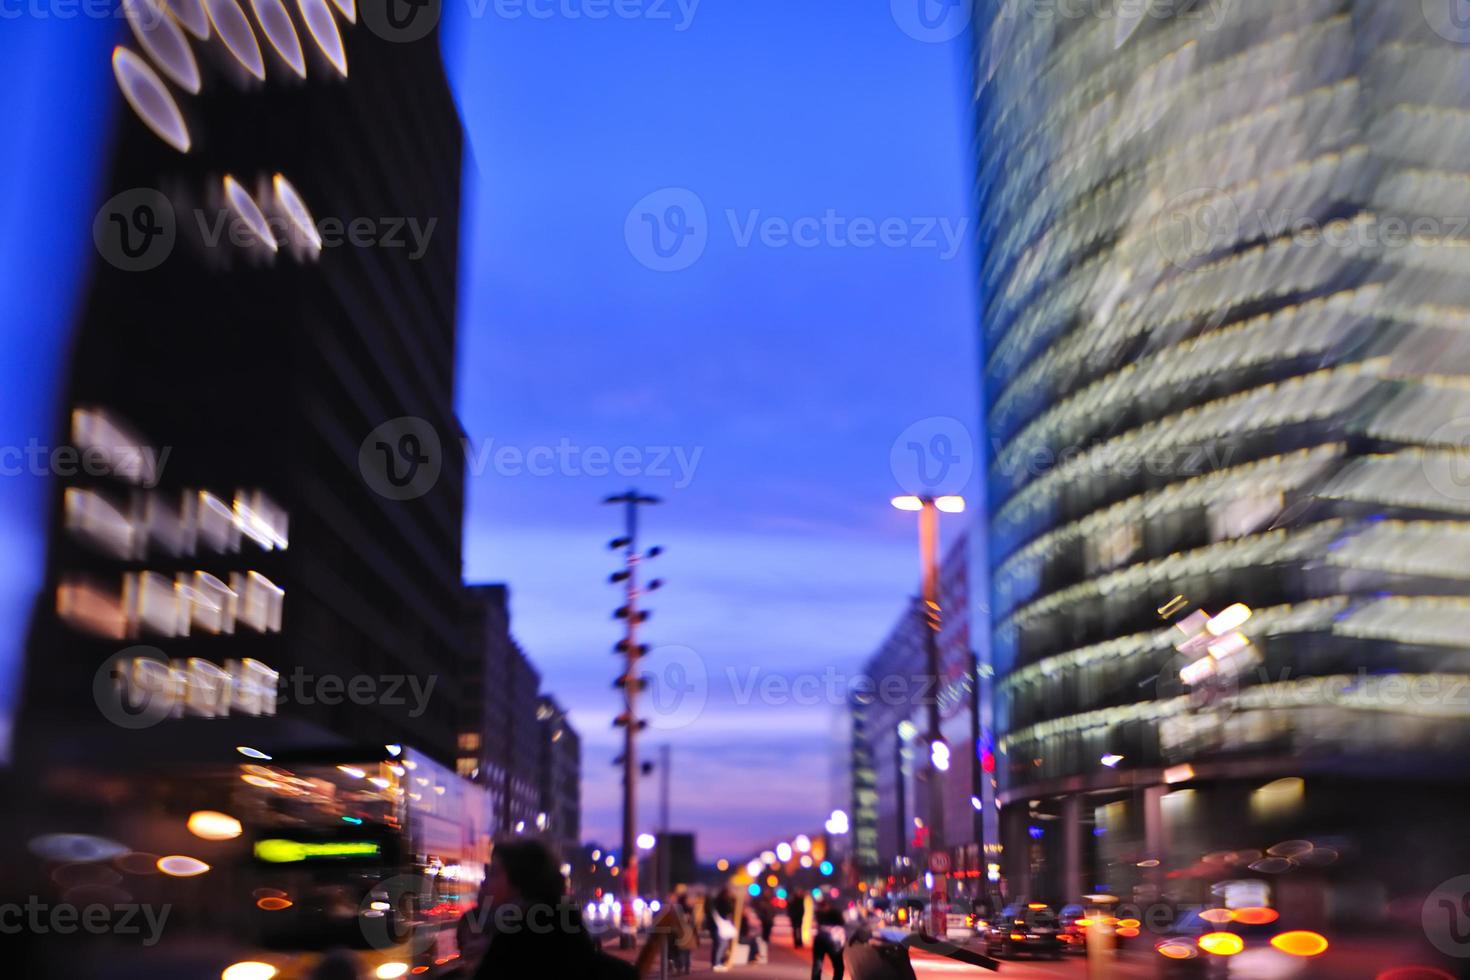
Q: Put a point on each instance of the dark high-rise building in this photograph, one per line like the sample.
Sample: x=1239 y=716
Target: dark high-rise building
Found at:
x=561 y=775
x=275 y=287
x=1226 y=373
x=501 y=734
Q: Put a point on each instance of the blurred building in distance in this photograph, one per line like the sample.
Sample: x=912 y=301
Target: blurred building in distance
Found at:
x=1224 y=323
x=888 y=717
x=560 y=774
x=501 y=735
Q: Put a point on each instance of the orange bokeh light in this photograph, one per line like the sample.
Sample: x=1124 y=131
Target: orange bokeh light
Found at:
x=1176 y=949
x=1221 y=943
x=1256 y=916
x=271 y=904
x=1300 y=943
x=1217 y=916
x=1128 y=932
x=1129 y=924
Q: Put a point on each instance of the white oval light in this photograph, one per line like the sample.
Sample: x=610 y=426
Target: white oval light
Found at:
x=150 y=99
x=249 y=212
x=389 y=971
x=181 y=866
x=348 y=9
x=164 y=42
x=191 y=16
x=212 y=825
x=235 y=31
x=248 y=970
x=275 y=22
x=323 y=28
x=301 y=220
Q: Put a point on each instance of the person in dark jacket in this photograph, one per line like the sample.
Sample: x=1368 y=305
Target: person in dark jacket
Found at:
x=722 y=906
x=829 y=936
x=533 y=930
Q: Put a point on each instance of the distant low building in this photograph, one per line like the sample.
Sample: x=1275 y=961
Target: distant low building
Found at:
x=560 y=775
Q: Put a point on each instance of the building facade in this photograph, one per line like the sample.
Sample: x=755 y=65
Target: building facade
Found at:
x=1225 y=361
x=560 y=775
x=229 y=531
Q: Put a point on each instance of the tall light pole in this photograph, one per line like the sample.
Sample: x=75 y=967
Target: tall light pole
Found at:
x=631 y=683
x=928 y=509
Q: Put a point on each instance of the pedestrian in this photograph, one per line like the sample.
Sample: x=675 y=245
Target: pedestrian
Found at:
x=720 y=920
x=686 y=939
x=766 y=909
x=532 y=929
x=750 y=932
x=829 y=936
x=796 y=912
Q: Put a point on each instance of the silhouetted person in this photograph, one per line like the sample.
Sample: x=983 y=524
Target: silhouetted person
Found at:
x=796 y=912
x=533 y=930
x=828 y=938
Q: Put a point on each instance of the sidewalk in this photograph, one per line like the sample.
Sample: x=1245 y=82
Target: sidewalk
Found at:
x=786 y=962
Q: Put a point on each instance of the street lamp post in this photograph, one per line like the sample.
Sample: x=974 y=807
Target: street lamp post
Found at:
x=929 y=509
x=631 y=683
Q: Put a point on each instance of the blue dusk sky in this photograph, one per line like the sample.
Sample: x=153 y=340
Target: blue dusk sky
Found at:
x=753 y=368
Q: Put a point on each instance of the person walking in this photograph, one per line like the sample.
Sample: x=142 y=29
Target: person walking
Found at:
x=685 y=937
x=720 y=920
x=829 y=936
x=796 y=912
x=766 y=909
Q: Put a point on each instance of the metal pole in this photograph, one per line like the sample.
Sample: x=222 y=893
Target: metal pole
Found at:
x=665 y=872
x=629 y=933
x=929 y=561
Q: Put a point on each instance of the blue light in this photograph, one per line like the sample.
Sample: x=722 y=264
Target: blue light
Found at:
x=825 y=867
x=1035 y=832
x=780 y=893
x=352 y=820
x=1099 y=831
x=754 y=889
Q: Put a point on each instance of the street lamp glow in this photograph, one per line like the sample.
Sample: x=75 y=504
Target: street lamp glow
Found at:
x=754 y=868
x=977 y=803
x=939 y=754
x=951 y=505
x=1111 y=761
x=908 y=503
x=646 y=842
x=803 y=843
x=783 y=852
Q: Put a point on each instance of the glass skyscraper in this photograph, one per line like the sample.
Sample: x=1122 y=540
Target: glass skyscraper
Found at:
x=1225 y=307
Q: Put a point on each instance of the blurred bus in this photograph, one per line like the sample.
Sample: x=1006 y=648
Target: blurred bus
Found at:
x=378 y=856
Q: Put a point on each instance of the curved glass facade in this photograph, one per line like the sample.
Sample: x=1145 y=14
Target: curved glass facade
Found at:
x=1225 y=318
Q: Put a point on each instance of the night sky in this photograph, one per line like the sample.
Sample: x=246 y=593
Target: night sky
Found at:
x=783 y=372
